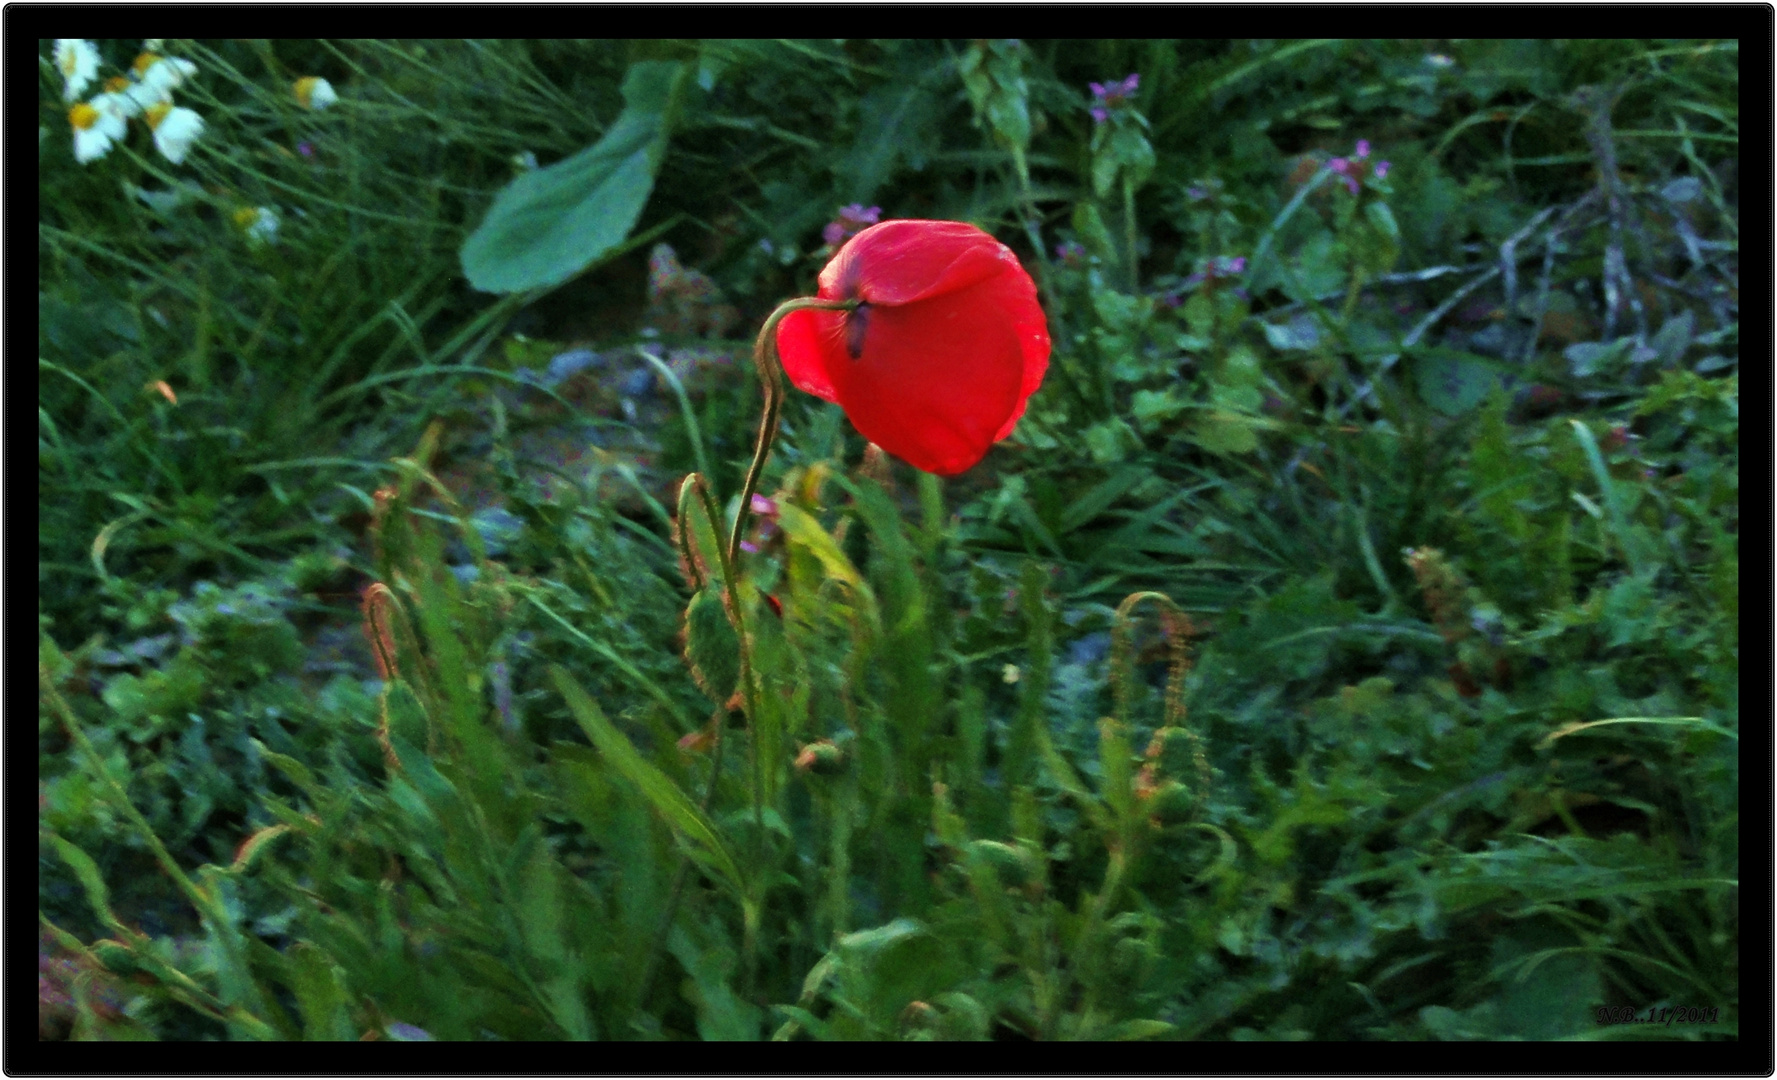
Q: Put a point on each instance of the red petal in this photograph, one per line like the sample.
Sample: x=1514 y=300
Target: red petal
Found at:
x=805 y=341
x=936 y=380
x=901 y=262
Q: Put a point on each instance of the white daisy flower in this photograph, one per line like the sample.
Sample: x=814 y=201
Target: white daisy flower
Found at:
x=140 y=95
x=120 y=95
x=78 y=61
x=96 y=126
x=175 y=129
x=153 y=44
x=163 y=74
x=259 y=223
x=314 y=92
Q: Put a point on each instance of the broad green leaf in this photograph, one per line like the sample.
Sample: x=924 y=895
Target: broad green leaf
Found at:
x=552 y=223
x=1224 y=432
x=665 y=796
x=1318 y=268
x=1454 y=382
x=1673 y=338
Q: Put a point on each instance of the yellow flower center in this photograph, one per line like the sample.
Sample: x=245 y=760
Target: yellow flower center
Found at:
x=117 y=84
x=70 y=60
x=143 y=63
x=156 y=113
x=245 y=217
x=83 y=116
x=305 y=89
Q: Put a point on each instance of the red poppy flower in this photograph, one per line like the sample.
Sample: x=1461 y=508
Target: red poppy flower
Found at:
x=946 y=346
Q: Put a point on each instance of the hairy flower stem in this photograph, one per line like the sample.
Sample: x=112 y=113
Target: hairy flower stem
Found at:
x=771 y=381
x=1129 y=234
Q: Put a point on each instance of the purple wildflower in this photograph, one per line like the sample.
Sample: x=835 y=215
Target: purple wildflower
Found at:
x=1106 y=96
x=766 y=509
x=852 y=220
x=1071 y=253
x=306 y=148
x=1196 y=193
x=749 y=547
x=1211 y=270
x=1356 y=167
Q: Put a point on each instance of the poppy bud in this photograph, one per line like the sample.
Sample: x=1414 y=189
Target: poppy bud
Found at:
x=945 y=347
x=821 y=758
x=1169 y=803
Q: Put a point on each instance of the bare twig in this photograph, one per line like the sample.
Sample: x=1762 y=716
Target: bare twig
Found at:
x=1619 y=285
x=1445 y=308
x=1508 y=255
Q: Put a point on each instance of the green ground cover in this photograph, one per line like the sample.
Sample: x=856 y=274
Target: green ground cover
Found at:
x=1343 y=646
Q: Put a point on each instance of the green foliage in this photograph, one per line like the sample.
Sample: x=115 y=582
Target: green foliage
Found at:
x=552 y=223
x=1344 y=645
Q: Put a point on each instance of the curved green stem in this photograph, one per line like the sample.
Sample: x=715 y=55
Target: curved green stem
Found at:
x=770 y=378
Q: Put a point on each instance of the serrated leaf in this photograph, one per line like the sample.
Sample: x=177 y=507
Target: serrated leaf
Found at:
x=320 y=995
x=87 y=871
x=550 y=224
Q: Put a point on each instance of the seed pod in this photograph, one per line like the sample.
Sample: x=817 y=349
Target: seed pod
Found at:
x=712 y=649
